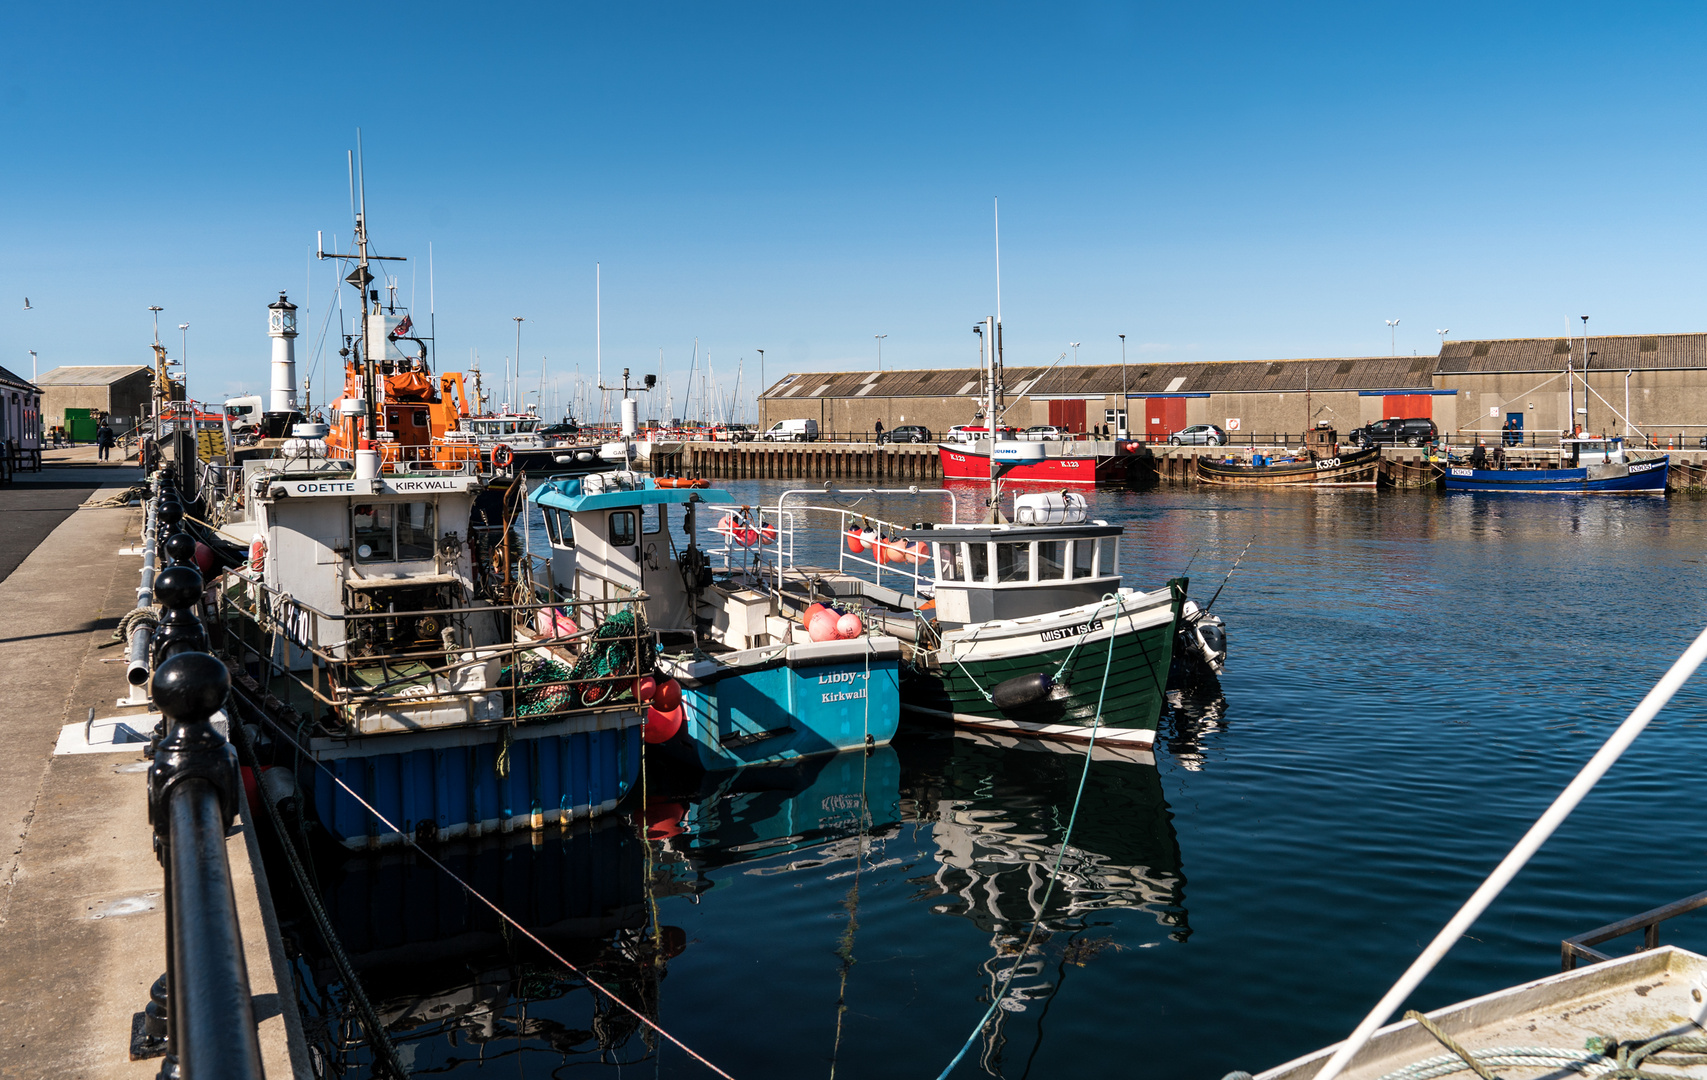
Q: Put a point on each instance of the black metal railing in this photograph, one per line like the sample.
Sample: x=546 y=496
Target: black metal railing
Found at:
x=200 y=1014
x=1581 y=947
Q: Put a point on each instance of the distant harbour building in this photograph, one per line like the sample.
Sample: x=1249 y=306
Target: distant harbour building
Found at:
x=76 y=396
x=1470 y=388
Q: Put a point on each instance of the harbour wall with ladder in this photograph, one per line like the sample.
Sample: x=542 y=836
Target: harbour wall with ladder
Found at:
x=797 y=461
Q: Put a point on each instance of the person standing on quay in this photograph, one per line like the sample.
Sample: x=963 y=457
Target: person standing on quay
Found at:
x=104 y=440
x=879 y=426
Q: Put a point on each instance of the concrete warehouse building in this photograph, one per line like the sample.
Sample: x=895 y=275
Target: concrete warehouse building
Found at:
x=1470 y=388
x=122 y=391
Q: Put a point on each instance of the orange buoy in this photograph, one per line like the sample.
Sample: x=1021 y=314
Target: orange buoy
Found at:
x=855 y=543
x=645 y=688
x=849 y=626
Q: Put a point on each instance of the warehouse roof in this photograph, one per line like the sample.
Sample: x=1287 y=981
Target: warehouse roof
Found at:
x=1551 y=354
x=1203 y=377
x=89 y=374
x=9 y=379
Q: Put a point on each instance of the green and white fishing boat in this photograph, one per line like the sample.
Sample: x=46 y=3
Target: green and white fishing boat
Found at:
x=1026 y=615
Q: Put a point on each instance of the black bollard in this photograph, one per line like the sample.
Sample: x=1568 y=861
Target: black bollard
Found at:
x=181 y=549
x=178 y=589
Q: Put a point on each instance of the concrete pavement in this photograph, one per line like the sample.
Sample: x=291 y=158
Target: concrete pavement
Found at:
x=81 y=922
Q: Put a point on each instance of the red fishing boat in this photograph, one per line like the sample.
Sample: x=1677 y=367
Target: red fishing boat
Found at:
x=1075 y=463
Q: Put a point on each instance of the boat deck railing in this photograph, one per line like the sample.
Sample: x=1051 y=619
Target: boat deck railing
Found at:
x=891 y=565
x=1581 y=947
x=563 y=658
x=435 y=459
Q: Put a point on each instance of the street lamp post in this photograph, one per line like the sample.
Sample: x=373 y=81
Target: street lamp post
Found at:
x=1120 y=413
x=157 y=309
x=1393 y=335
x=880 y=338
x=184 y=357
x=507 y=390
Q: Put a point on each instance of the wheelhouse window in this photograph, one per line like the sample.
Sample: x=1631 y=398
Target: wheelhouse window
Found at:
x=392 y=532
x=1051 y=560
x=1013 y=562
x=977 y=562
x=421 y=418
x=415 y=530
x=1084 y=552
x=652 y=518
x=948 y=562
x=622 y=529
x=1106 y=564
x=372 y=532
x=560 y=527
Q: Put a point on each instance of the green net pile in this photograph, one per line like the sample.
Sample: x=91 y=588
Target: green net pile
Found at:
x=549 y=686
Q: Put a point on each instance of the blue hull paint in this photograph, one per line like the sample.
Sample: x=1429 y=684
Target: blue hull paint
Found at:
x=449 y=781
x=1644 y=478
x=816 y=709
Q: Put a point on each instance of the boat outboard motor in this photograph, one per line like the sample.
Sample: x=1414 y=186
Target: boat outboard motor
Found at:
x=1202 y=636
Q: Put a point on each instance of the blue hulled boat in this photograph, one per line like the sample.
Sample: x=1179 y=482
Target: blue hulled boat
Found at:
x=1589 y=467
x=755 y=689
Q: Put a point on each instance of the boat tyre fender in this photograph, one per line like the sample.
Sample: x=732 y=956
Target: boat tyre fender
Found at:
x=502 y=456
x=1021 y=691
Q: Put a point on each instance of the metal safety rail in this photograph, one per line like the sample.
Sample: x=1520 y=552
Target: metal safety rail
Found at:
x=278 y=637
x=792 y=519
x=1581 y=947
x=200 y=1014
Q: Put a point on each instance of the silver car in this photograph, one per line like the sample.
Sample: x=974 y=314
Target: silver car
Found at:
x=1043 y=433
x=1199 y=435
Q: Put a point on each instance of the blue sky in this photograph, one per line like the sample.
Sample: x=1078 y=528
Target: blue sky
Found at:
x=1215 y=181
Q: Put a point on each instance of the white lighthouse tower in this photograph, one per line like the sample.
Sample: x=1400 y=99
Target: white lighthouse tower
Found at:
x=281 y=327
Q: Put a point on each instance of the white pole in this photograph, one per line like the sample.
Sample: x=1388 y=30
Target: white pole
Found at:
x=1537 y=835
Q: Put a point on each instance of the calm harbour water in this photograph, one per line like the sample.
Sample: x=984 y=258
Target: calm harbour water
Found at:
x=1412 y=678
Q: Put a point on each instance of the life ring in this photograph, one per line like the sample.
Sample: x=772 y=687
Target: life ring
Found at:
x=502 y=456
x=258 y=553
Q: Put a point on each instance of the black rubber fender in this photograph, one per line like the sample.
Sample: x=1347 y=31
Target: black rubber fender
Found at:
x=1021 y=691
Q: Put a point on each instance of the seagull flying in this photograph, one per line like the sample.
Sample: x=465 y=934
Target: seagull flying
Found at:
x=26 y=303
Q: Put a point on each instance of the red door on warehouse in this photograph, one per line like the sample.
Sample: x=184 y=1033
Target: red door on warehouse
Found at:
x=1407 y=407
x=1068 y=415
x=1161 y=417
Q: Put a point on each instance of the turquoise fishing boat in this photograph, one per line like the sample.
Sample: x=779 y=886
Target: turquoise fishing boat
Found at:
x=755 y=689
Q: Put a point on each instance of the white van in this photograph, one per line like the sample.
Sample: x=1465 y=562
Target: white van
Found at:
x=791 y=431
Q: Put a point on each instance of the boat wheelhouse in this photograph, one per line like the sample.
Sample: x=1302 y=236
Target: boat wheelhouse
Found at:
x=1036 y=635
x=755 y=687
x=1587 y=466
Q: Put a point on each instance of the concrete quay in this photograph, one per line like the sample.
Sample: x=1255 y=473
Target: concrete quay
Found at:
x=82 y=927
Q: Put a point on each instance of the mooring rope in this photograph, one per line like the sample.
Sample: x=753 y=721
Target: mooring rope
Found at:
x=496 y=910
x=1060 y=853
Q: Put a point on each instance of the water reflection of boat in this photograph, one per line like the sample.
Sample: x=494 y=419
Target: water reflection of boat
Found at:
x=1195 y=711
x=821 y=810
x=453 y=984
x=997 y=820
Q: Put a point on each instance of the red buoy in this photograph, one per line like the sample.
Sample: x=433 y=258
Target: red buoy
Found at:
x=668 y=697
x=661 y=726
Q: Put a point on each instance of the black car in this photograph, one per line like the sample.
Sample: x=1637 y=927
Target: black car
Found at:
x=1412 y=432
x=911 y=433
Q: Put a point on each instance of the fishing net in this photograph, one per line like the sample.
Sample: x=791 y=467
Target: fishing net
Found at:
x=600 y=677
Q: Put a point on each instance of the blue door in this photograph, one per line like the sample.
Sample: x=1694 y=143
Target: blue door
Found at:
x=1514 y=429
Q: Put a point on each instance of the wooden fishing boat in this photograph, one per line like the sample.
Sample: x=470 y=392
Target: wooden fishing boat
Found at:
x=1406 y=474
x=1356 y=468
